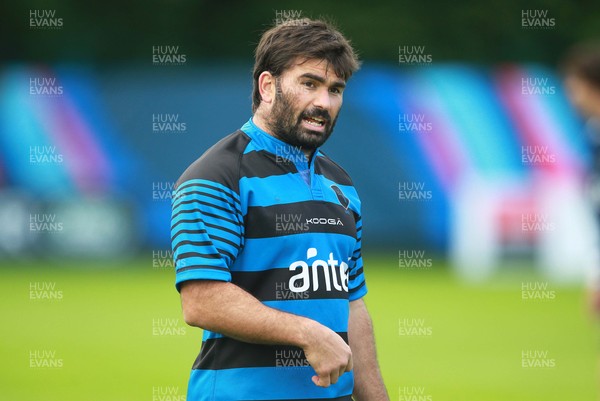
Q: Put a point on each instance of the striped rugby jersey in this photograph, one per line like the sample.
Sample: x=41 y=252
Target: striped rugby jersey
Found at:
x=254 y=212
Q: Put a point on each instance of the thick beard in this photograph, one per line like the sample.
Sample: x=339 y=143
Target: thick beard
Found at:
x=287 y=127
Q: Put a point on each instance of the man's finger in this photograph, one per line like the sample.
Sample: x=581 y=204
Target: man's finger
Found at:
x=334 y=377
x=322 y=381
x=350 y=366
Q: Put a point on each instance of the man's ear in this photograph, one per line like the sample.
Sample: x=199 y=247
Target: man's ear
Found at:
x=266 y=87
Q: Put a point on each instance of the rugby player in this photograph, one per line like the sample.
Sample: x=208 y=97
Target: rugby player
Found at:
x=266 y=233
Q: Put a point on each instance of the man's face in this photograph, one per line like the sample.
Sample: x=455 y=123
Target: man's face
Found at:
x=307 y=101
x=583 y=96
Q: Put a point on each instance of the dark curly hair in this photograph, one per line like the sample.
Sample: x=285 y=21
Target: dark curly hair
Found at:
x=306 y=38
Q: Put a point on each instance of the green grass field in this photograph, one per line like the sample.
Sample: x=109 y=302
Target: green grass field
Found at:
x=117 y=334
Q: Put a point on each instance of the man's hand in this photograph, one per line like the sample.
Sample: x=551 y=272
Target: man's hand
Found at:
x=593 y=301
x=227 y=309
x=328 y=354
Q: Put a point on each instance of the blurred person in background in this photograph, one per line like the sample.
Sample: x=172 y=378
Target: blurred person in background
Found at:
x=581 y=71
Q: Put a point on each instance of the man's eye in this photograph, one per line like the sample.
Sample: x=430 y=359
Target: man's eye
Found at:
x=309 y=84
x=335 y=90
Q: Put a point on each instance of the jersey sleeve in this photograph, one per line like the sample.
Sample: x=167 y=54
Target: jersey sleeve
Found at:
x=206 y=230
x=357 y=287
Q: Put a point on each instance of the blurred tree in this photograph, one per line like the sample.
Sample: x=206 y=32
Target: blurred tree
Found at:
x=116 y=31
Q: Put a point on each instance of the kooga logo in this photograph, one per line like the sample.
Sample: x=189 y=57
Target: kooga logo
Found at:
x=324 y=220
x=331 y=271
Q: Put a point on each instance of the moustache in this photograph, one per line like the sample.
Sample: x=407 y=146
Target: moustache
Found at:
x=319 y=113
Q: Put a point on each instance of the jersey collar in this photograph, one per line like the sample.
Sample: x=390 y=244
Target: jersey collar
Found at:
x=271 y=144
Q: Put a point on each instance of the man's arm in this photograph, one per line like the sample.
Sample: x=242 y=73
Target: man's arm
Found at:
x=227 y=309
x=368 y=383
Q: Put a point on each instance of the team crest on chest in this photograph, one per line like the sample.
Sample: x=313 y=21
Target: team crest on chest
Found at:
x=345 y=202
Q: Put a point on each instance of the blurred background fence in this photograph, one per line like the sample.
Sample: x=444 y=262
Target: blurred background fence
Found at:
x=449 y=158
x=456 y=131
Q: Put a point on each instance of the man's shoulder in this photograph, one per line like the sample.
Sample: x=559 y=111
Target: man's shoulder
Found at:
x=220 y=163
x=326 y=167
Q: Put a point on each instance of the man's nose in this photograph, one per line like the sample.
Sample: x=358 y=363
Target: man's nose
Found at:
x=322 y=99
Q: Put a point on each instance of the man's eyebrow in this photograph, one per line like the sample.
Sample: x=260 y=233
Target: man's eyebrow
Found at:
x=318 y=78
